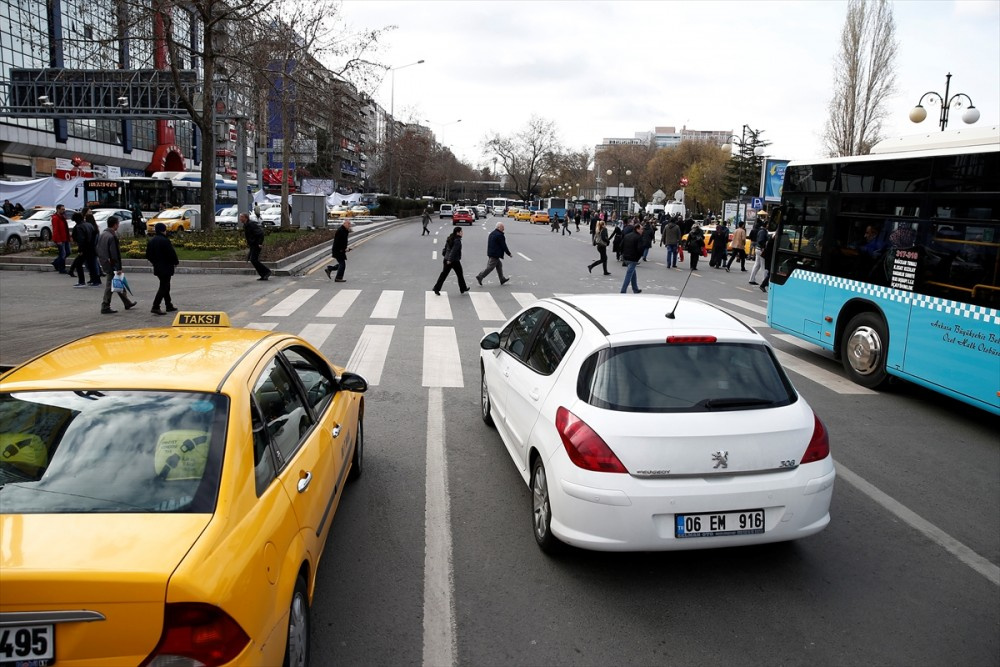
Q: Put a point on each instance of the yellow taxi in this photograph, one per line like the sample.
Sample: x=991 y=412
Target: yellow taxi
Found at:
x=335 y=212
x=512 y=212
x=709 y=241
x=540 y=216
x=166 y=495
x=523 y=214
x=176 y=219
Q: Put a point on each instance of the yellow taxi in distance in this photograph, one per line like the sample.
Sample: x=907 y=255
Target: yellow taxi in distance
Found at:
x=709 y=241
x=512 y=212
x=176 y=219
x=166 y=495
x=522 y=214
x=540 y=216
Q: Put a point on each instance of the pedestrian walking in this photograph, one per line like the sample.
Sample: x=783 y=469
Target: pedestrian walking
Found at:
x=768 y=253
x=631 y=253
x=339 y=251
x=86 y=239
x=695 y=245
x=671 y=237
x=601 y=243
x=648 y=234
x=496 y=248
x=110 y=256
x=60 y=236
x=720 y=239
x=576 y=219
x=760 y=263
x=254 y=235
x=138 y=222
x=426 y=220
x=738 y=247
x=452 y=258
x=565 y=225
x=161 y=254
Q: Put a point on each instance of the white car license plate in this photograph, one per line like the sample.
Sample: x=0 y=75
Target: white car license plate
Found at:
x=27 y=644
x=743 y=522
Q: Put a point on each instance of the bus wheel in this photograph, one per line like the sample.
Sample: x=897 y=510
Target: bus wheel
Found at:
x=863 y=349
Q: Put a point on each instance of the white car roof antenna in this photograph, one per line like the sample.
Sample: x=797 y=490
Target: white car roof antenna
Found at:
x=670 y=315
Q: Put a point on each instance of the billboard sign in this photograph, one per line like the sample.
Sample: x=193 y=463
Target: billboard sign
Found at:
x=772 y=179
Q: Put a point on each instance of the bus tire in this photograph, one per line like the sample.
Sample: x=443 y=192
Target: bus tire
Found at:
x=863 y=350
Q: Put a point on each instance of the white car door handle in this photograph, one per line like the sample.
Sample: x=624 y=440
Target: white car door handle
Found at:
x=304 y=482
x=336 y=431
x=506 y=372
x=534 y=394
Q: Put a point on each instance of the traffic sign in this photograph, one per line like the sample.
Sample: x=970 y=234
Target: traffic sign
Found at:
x=756 y=203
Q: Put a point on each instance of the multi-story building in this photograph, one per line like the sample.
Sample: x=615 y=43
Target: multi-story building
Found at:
x=659 y=137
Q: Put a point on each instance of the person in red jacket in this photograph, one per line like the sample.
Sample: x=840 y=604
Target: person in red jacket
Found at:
x=60 y=236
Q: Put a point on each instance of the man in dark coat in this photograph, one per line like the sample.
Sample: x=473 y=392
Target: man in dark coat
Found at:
x=161 y=254
x=496 y=248
x=339 y=251
x=648 y=234
x=254 y=234
x=632 y=248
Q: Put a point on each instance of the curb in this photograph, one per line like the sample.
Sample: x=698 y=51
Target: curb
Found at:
x=294 y=265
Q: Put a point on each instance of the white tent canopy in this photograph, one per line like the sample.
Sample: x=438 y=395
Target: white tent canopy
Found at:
x=47 y=191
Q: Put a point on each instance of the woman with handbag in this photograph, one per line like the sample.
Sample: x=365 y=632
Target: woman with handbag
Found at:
x=452 y=262
x=601 y=241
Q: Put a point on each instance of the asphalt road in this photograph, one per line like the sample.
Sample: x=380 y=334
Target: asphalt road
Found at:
x=431 y=558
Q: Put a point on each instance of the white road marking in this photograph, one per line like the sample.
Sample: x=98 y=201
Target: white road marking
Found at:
x=486 y=306
x=964 y=554
x=291 y=303
x=266 y=326
x=435 y=241
x=317 y=333
x=368 y=357
x=388 y=304
x=524 y=299
x=442 y=361
x=523 y=256
x=489 y=330
x=439 y=579
x=434 y=254
x=746 y=305
x=338 y=305
x=798 y=342
x=437 y=307
x=831 y=381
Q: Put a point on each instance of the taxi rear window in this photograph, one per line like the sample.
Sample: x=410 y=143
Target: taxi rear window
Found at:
x=113 y=451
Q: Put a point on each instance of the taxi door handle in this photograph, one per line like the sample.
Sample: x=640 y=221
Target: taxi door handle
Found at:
x=304 y=482
x=336 y=431
x=534 y=394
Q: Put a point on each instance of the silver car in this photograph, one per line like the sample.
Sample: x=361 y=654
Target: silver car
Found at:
x=13 y=233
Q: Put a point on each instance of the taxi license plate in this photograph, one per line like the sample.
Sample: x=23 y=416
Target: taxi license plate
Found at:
x=743 y=522
x=27 y=645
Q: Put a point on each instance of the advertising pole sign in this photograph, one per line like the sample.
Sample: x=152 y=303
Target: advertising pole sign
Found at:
x=772 y=178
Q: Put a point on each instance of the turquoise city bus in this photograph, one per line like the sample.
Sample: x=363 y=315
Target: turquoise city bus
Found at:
x=892 y=262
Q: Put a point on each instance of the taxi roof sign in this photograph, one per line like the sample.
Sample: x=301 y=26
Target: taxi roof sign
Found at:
x=202 y=319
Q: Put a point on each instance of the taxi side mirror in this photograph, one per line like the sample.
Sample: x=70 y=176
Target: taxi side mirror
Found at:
x=352 y=382
x=490 y=341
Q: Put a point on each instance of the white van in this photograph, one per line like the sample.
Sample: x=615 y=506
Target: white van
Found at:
x=446 y=211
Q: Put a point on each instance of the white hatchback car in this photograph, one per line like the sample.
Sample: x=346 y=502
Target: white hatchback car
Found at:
x=641 y=431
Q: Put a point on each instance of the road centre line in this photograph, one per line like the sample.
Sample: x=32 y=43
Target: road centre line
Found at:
x=922 y=526
x=439 y=648
x=523 y=256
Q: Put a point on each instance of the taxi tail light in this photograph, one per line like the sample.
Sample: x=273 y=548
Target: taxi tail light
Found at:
x=819 y=444
x=586 y=449
x=197 y=634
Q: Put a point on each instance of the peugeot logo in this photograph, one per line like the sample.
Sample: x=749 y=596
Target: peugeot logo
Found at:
x=721 y=459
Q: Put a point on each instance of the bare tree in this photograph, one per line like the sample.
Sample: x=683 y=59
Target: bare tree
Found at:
x=525 y=154
x=864 y=78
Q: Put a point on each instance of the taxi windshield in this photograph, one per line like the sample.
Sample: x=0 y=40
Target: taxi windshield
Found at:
x=114 y=451
x=171 y=214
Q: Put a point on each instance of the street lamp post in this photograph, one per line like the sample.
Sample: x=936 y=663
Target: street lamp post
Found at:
x=621 y=185
x=741 y=189
x=919 y=113
x=392 y=117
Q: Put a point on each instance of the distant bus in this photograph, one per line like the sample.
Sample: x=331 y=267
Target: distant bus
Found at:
x=556 y=206
x=496 y=205
x=892 y=262
x=148 y=193
x=186 y=189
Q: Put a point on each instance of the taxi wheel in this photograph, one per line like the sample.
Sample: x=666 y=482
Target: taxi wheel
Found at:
x=863 y=350
x=485 y=399
x=541 y=510
x=359 y=452
x=297 y=648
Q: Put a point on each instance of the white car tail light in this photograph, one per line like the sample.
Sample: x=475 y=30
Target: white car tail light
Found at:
x=586 y=449
x=819 y=444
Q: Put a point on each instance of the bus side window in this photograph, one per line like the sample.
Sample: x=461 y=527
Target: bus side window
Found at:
x=962 y=261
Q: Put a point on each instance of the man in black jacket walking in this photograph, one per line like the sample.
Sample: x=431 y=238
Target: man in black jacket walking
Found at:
x=632 y=248
x=496 y=248
x=161 y=254
x=254 y=235
x=339 y=252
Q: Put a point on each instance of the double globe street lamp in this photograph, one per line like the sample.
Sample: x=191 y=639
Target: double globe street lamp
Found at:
x=919 y=113
x=621 y=186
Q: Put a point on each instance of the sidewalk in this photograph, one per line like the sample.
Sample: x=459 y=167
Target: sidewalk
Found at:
x=289 y=266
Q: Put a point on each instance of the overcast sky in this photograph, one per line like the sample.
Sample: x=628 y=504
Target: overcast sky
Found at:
x=609 y=69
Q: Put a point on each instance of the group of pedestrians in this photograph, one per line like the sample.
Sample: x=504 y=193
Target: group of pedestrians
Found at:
x=451 y=256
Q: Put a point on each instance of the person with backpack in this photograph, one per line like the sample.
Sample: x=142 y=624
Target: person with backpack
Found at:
x=161 y=254
x=254 y=235
x=601 y=242
x=671 y=237
x=632 y=247
x=452 y=258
